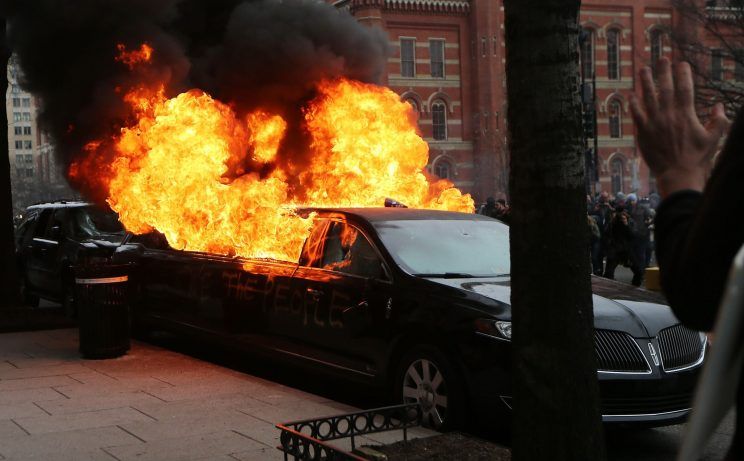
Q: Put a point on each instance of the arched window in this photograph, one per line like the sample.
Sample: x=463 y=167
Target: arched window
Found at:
x=413 y=103
x=613 y=54
x=443 y=169
x=617 y=167
x=616 y=118
x=439 y=120
x=587 y=54
x=716 y=65
x=657 y=47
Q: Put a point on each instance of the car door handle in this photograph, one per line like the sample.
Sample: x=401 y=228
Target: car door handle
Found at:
x=361 y=305
x=314 y=293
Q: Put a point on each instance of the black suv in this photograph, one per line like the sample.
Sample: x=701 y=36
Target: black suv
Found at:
x=53 y=238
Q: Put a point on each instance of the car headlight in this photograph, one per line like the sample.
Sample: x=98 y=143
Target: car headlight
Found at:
x=499 y=329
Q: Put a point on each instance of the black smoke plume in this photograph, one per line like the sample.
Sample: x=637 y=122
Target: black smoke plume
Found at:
x=268 y=54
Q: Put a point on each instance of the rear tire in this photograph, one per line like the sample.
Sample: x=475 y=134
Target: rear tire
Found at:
x=425 y=375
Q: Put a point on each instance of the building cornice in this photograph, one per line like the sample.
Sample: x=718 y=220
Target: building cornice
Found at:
x=415 y=6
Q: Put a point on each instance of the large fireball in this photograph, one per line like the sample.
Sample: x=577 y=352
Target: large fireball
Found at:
x=177 y=169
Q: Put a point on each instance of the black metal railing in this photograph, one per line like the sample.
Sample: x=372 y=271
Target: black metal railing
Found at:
x=306 y=439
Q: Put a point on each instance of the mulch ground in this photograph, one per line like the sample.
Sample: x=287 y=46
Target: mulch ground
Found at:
x=444 y=447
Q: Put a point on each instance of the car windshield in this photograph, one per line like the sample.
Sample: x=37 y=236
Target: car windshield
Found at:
x=92 y=222
x=448 y=248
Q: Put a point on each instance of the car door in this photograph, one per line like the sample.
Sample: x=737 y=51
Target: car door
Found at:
x=347 y=294
x=24 y=243
x=53 y=258
x=168 y=280
x=240 y=296
x=37 y=250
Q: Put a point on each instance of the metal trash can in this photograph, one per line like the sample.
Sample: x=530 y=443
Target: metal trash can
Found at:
x=102 y=297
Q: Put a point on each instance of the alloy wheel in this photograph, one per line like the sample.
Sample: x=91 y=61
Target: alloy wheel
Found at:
x=424 y=384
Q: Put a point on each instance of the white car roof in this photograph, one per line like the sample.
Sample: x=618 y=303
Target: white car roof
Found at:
x=70 y=204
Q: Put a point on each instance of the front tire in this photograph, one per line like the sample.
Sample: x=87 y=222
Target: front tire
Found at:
x=427 y=376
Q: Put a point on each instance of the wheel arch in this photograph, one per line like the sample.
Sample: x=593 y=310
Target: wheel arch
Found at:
x=416 y=334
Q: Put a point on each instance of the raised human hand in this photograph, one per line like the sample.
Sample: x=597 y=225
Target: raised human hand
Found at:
x=676 y=146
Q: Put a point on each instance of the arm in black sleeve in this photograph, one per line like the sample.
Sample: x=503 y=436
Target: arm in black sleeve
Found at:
x=698 y=235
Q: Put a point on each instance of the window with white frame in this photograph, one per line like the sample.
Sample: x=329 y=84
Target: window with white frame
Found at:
x=613 y=54
x=739 y=65
x=716 y=65
x=615 y=118
x=17 y=130
x=407 y=57
x=587 y=54
x=439 y=120
x=436 y=53
x=29 y=160
x=617 y=167
x=657 y=47
x=443 y=169
x=27 y=130
x=413 y=103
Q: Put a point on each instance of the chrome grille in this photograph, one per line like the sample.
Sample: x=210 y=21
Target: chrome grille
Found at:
x=680 y=347
x=617 y=351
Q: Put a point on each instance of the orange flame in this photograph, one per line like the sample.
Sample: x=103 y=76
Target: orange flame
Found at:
x=266 y=135
x=134 y=57
x=172 y=167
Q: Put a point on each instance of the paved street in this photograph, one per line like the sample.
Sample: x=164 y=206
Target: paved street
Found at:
x=152 y=404
x=663 y=443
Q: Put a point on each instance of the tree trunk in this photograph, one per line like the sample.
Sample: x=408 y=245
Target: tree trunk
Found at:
x=8 y=281
x=556 y=410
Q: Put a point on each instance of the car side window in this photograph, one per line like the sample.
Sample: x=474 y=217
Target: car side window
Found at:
x=23 y=232
x=41 y=226
x=58 y=220
x=312 y=251
x=347 y=250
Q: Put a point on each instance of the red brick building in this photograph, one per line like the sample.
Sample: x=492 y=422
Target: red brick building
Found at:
x=448 y=60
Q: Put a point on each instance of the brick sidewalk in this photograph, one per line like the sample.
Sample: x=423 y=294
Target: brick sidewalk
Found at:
x=152 y=404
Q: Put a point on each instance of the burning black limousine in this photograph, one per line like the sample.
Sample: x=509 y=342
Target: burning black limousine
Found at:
x=374 y=298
